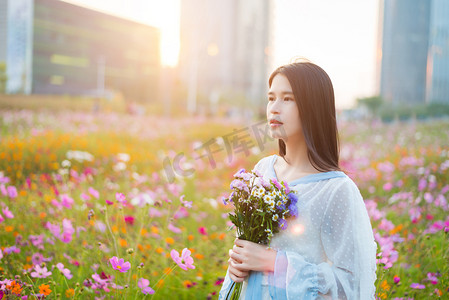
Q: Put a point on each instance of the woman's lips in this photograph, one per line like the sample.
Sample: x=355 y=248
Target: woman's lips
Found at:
x=275 y=123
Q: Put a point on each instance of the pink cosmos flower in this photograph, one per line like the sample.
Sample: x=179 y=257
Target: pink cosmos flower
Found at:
x=1 y=254
x=187 y=204
x=7 y=213
x=202 y=231
x=388 y=186
x=120 y=198
x=432 y=277
x=143 y=284
x=1 y=218
x=109 y=202
x=417 y=286
x=40 y=272
x=64 y=271
x=173 y=228
x=181 y=213
x=119 y=264
x=94 y=192
x=66 y=201
x=422 y=184
x=85 y=196
x=56 y=204
x=12 y=191
x=185 y=261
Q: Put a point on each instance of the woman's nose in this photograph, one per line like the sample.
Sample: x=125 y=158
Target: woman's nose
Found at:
x=274 y=107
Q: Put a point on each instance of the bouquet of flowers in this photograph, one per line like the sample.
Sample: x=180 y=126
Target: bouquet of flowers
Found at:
x=261 y=209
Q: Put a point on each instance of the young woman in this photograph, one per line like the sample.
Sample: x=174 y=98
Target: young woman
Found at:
x=328 y=251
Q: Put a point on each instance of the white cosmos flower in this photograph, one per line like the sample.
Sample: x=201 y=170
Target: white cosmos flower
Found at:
x=123 y=157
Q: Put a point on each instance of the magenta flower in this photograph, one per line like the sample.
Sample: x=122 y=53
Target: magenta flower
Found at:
x=109 y=202
x=396 y=279
x=143 y=284
x=417 y=286
x=40 y=272
x=185 y=261
x=202 y=230
x=129 y=220
x=120 y=264
x=1 y=218
x=64 y=271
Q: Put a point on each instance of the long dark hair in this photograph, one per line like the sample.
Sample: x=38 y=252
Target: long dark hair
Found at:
x=314 y=96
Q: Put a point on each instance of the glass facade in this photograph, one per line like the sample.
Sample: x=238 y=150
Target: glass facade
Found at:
x=404 y=50
x=438 y=69
x=84 y=52
x=415 y=51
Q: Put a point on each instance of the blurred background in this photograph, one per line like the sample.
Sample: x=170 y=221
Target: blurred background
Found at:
x=163 y=101
x=386 y=58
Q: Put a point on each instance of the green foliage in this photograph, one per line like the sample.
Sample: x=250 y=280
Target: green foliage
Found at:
x=371 y=103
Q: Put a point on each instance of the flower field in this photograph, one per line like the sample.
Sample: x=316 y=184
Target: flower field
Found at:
x=107 y=205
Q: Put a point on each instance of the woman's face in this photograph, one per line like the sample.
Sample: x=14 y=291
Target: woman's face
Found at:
x=282 y=110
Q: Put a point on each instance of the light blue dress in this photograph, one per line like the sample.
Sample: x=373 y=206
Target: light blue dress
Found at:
x=327 y=252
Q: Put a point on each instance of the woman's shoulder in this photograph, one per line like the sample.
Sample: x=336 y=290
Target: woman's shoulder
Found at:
x=344 y=189
x=264 y=163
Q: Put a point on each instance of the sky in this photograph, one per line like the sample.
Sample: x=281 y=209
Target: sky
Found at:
x=340 y=36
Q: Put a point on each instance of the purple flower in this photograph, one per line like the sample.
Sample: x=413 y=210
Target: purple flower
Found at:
x=293 y=198
x=143 y=284
x=11 y=249
x=417 y=286
x=37 y=258
x=276 y=184
x=239 y=173
x=185 y=261
x=66 y=201
x=119 y=264
x=12 y=191
x=64 y=271
x=283 y=224
x=293 y=209
x=120 y=198
x=432 y=277
x=396 y=279
x=40 y=272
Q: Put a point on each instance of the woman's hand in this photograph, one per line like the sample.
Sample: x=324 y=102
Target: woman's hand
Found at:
x=246 y=256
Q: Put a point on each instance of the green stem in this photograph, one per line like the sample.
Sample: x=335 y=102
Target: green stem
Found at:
x=110 y=231
x=162 y=277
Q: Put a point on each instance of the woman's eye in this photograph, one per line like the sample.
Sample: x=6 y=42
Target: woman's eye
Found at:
x=288 y=99
x=270 y=99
